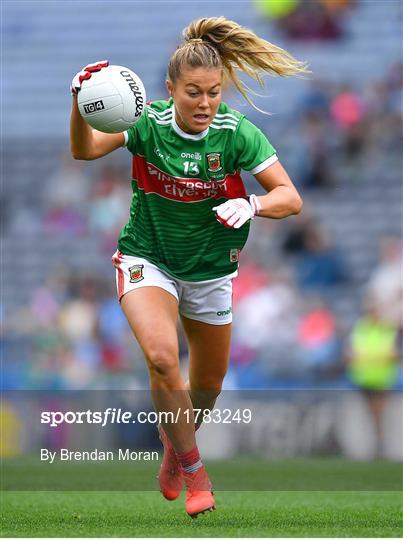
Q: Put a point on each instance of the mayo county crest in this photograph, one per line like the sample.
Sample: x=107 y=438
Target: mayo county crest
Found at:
x=214 y=161
x=136 y=273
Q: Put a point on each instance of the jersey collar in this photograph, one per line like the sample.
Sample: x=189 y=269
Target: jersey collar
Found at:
x=181 y=133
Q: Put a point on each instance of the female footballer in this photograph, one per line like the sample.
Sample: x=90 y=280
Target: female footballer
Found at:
x=189 y=220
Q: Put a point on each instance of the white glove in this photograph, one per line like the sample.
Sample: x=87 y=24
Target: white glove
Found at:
x=236 y=212
x=85 y=74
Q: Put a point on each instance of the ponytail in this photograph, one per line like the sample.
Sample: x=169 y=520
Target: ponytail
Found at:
x=218 y=43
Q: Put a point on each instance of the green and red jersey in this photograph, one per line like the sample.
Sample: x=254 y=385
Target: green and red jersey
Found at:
x=177 y=179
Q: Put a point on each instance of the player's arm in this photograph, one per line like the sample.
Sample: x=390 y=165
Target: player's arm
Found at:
x=88 y=143
x=282 y=198
x=85 y=142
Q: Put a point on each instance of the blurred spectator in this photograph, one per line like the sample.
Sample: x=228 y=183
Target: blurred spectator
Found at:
x=297 y=231
x=376 y=99
x=68 y=187
x=64 y=221
x=312 y=150
x=373 y=361
x=379 y=124
x=276 y=9
x=317 y=20
x=268 y=314
x=385 y=99
x=316 y=170
x=252 y=278
x=316 y=101
x=46 y=300
x=65 y=198
x=78 y=315
x=320 y=264
x=264 y=330
x=11 y=430
x=313 y=21
x=318 y=344
x=109 y=204
x=113 y=331
x=52 y=359
x=347 y=110
x=385 y=286
x=78 y=323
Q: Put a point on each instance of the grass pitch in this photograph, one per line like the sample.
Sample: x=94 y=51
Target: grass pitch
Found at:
x=369 y=506
x=242 y=514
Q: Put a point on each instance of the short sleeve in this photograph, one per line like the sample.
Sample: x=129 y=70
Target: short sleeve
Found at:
x=252 y=148
x=131 y=138
x=136 y=134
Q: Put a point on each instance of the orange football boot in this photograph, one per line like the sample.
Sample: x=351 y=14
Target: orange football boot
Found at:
x=170 y=475
x=199 y=495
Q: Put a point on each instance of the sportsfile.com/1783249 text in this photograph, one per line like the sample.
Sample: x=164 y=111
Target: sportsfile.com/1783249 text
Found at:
x=113 y=415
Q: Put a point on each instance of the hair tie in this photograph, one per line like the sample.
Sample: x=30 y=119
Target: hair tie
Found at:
x=195 y=40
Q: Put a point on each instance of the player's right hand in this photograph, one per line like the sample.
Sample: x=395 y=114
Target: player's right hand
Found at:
x=85 y=74
x=236 y=212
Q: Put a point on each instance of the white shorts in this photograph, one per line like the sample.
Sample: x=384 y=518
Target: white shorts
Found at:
x=205 y=301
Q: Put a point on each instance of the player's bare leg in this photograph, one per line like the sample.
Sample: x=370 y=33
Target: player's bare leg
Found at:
x=209 y=352
x=209 y=348
x=152 y=313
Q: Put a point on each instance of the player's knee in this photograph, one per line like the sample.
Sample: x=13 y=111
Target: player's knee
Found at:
x=213 y=382
x=209 y=390
x=163 y=363
x=214 y=392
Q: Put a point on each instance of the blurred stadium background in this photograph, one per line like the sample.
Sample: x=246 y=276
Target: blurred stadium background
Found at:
x=318 y=303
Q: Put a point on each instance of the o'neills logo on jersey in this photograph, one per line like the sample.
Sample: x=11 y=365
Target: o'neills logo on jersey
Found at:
x=151 y=179
x=214 y=161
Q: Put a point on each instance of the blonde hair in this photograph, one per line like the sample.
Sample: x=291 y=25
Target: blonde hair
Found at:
x=219 y=43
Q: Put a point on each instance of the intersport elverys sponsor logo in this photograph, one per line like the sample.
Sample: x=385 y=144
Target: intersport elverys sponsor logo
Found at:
x=152 y=180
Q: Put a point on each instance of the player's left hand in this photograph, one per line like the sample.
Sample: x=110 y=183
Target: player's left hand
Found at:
x=236 y=212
